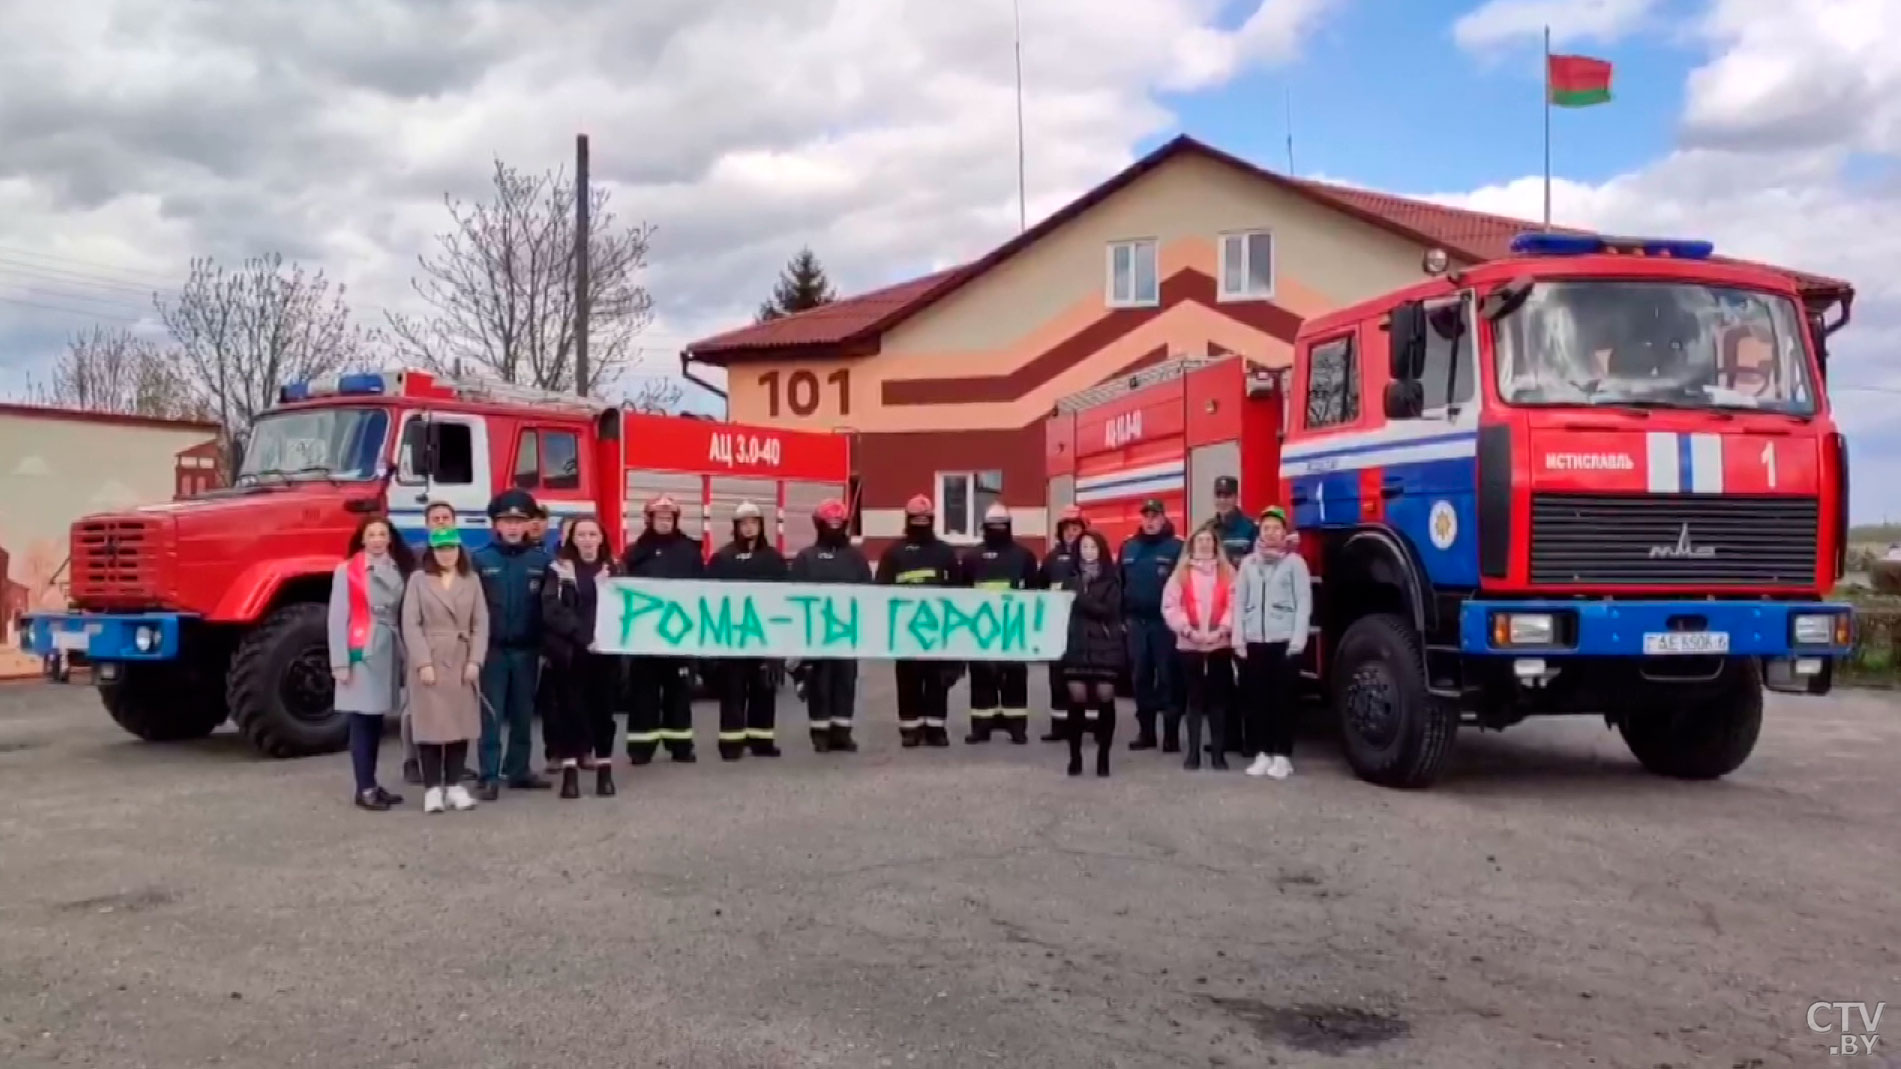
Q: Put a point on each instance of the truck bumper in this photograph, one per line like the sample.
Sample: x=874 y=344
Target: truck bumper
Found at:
x=1655 y=628
x=104 y=637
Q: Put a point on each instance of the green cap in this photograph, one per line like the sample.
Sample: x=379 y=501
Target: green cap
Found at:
x=443 y=537
x=1274 y=512
x=1153 y=504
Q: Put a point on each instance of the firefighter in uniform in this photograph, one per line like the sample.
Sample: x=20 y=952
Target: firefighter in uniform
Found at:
x=831 y=683
x=999 y=690
x=748 y=691
x=662 y=699
x=921 y=558
x=1058 y=565
x=511 y=569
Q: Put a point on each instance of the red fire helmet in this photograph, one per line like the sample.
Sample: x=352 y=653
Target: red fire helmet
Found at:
x=662 y=503
x=919 y=506
x=831 y=510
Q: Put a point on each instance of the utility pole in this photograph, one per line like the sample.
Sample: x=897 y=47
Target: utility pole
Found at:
x=1023 y=210
x=580 y=265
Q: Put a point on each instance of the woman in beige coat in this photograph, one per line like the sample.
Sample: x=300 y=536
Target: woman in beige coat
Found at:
x=445 y=633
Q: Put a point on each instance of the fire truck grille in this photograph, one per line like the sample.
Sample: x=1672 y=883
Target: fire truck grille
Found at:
x=1673 y=540
x=114 y=560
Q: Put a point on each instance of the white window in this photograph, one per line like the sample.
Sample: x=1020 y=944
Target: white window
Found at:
x=962 y=499
x=1132 y=274
x=1247 y=266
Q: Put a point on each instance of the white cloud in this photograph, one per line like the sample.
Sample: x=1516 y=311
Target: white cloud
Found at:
x=1775 y=125
x=1505 y=22
x=880 y=132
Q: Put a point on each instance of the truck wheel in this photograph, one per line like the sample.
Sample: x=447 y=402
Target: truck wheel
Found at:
x=280 y=690
x=1705 y=739
x=162 y=702
x=1394 y=731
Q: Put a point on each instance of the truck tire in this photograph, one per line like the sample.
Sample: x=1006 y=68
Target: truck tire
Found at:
x=162 y=702
x=1394 y=731
x=281 y=694
x=1705 y=739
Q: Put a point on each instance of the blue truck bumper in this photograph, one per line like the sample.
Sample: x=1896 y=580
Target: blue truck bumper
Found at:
x=100 y=637
x=1655 y=628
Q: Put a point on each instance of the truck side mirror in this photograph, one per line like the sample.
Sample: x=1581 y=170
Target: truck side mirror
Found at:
x=431 y=448
x=1406 y=338
x=1405 y=399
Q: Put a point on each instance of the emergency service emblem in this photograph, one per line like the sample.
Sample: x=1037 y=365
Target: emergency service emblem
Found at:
x=1443 y=524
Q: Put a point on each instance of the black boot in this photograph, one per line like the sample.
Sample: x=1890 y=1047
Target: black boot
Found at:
x=570 y=781
x=909 y=738
x=936 y=735
x=684 y=754
x=1193 y=761
x=821 y=738
x=763 y=748
x=640 y=756
x=1105 y=737
x=488 y=790
x=731 y=751
x=842 y=740
x=979 y=729
x=1076 y=730
x=1019 y=728
x=1144 y=731
x=604 y=780
x=1171 y=732
x=1059 y=730
x=1218 y=739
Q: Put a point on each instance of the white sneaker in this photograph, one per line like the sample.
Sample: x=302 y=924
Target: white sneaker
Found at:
x=460 y=798
x=1260 y=766
x=432 y=800
x=1279 y=767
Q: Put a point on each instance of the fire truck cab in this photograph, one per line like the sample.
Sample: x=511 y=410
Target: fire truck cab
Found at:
x=1599 y=477
x=214 y=607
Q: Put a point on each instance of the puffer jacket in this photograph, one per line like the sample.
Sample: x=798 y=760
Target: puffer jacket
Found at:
x=1198 y=604
x=1097 y=643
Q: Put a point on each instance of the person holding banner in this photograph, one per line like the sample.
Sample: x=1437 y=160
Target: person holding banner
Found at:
x=921 y=559
x=1057 y=567
x=662 y=699
x=1096 y=651
x=831 y=683
x=583 y=686
x=748 y=692
x=999 y=690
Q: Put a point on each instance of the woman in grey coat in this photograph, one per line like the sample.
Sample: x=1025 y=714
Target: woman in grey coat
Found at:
x=1273 y=608
x=366 y=648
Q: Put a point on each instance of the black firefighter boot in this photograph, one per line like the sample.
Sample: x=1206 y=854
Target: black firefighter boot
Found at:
x=980 y=725
x=936 y=735
x=1076 y=729
x=1171 y=732
x=570 y=780
x=604 y=778
x=1059 y=728
x=732 y=749
x=1017 y=723
x=766 y=747
x=821 y=736
x=842 y=740
x=910 y=737
x=1144 y=731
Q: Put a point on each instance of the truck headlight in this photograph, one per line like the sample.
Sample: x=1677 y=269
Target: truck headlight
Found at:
x=1524 y=629
x=145 y=638
x=1819 y=629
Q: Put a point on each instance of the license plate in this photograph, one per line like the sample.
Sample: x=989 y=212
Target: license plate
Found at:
x=71 y=641
x=1673 y=642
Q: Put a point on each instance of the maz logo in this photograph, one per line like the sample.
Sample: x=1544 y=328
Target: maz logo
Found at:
x=1683 y=550
x=1123 y=429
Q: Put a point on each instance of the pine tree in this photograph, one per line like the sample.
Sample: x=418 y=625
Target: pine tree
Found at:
x=801 y=285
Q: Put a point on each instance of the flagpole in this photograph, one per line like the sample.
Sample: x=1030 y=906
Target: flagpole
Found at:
x=1023 y=211
x=1547 y=74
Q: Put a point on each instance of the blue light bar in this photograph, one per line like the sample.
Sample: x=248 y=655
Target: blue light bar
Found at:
x=294 y=391
x=362 y=382
x=1547 y=244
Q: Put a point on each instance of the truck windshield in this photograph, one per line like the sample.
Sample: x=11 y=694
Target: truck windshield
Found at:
x=320 y=443
x=1662 y=344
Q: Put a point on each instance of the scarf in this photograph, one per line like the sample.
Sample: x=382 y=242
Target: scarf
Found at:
x=1222 y=592
x=361 y=622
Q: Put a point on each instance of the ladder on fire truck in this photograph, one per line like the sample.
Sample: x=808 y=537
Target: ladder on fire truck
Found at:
x=1260 y=380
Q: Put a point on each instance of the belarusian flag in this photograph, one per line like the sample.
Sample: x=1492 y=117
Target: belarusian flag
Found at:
x=1578 y=81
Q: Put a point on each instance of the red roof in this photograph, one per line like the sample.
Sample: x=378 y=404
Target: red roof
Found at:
x=1467 y=235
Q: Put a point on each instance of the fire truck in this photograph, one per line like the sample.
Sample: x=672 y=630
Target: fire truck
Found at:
x=1597 y=477
x=214 y=607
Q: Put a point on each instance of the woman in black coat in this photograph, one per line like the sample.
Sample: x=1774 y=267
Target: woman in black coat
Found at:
x=1096 y=653
x=583 y=687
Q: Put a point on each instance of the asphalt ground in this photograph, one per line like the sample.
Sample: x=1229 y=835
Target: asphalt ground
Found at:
x=1547 y=904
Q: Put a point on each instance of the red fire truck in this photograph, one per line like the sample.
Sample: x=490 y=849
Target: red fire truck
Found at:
x=196 y=611
x=1598 y=477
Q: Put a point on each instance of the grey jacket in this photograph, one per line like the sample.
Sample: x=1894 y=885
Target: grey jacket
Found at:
x=375 y=685
x=1273 y=601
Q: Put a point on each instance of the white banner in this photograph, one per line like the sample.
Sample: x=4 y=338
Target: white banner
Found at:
x=697 y=618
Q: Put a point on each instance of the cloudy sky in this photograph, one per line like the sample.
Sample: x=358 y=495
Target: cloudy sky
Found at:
x=135 y=134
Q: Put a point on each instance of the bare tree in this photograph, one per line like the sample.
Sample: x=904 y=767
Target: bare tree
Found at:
x=117 y=371
x=501 y=287
x=658 y=396
x=243 y=333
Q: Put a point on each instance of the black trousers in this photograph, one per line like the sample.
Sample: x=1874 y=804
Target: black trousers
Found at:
x=831 y=692
x=661 y=707
x=578 y=713
x=1208 y=679
x=442 y=762
x=1267 y=698
x=923 y=699
x=999 y=697
x=748 y=704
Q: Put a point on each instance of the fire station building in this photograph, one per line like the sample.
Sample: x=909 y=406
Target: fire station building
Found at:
x=945 y=380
